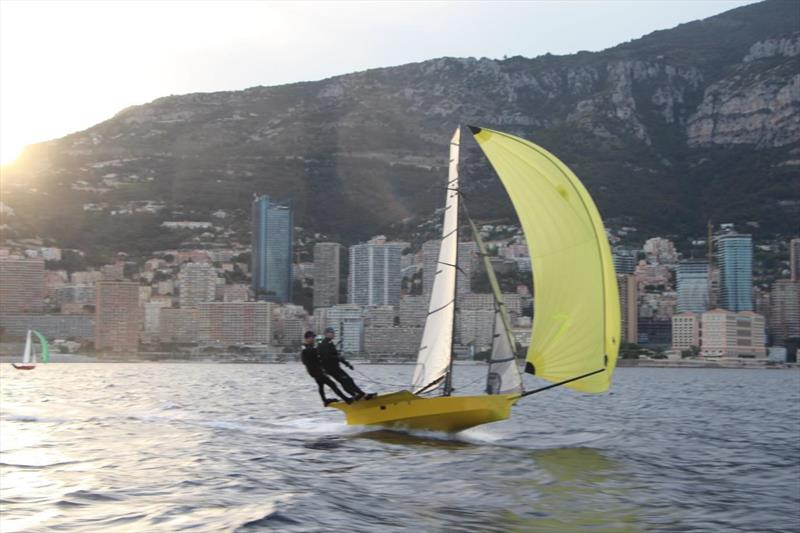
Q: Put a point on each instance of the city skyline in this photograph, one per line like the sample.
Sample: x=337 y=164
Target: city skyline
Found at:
x=197 y=289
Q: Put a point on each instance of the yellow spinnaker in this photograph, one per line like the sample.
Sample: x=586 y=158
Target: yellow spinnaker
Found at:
x=576 y=327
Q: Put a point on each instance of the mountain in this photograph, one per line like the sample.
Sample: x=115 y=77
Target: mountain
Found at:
x=699 y=121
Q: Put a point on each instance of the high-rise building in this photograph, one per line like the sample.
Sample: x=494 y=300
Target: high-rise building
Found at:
x=375 y=277
x=693 y=288
x=21 y=285
x=685 y=331
x=728 y=334
x=178 y=325
x=231 y=323
x=197 y=283
x=735 y=260
x=326 y=273
x=272 y=250
x=628 y=304
x=625 y=260
x=117 y=316
x=794 y=259
x=784 y=320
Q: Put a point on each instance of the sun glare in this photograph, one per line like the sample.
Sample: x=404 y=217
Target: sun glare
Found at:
x=10 y=151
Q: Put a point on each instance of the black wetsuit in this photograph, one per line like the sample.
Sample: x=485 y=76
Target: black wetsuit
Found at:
x=310 y=358
x=329 y=356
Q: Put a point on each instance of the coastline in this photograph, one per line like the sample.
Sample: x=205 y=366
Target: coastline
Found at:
x=747 y=364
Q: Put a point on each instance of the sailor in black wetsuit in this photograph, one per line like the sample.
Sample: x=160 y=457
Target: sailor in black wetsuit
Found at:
x=310 y=358
x=330 y=358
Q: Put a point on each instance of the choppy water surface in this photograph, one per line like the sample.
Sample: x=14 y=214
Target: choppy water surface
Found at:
x=159 y=447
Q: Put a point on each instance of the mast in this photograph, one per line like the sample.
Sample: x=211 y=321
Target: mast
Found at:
x=455 y=145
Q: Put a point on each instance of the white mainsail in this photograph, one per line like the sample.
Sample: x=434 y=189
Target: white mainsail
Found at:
x=436 y=348
x=28 y=354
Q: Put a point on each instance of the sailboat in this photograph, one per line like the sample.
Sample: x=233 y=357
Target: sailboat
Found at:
x=29 y=355
x=576 y=326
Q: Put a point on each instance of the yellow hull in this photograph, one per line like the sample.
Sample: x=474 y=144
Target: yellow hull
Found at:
x=405 y=410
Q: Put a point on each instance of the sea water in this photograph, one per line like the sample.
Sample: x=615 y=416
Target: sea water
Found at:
x=168 y=447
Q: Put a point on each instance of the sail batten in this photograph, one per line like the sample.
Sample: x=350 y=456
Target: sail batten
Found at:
x=436 y=351
x=576 y=326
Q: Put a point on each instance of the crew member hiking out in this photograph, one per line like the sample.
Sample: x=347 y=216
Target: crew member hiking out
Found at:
x=331 y=359
x=310 y=358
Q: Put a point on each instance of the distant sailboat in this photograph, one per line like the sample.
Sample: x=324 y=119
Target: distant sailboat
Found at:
x=576 y=328
x=29 y=355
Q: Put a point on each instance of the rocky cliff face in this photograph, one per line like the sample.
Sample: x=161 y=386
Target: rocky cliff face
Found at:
x=758 y=103
x=683 y=119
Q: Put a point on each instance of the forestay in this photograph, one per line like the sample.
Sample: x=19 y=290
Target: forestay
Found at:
x=503 y=376
x=436 y=348
x=576 y=327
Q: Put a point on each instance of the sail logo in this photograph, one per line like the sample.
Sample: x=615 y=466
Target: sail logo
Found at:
x=565 y=323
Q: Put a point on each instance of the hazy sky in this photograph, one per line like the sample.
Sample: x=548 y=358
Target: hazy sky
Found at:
x=65 y=66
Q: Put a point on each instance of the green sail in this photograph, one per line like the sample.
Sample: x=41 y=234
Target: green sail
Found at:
x=45 y=347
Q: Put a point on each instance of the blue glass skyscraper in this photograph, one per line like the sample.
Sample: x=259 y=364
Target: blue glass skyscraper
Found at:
x=272 y=250
x=735 y=259
x=693 y=286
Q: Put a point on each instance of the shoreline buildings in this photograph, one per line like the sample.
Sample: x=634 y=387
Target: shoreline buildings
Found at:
x=720 y=333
